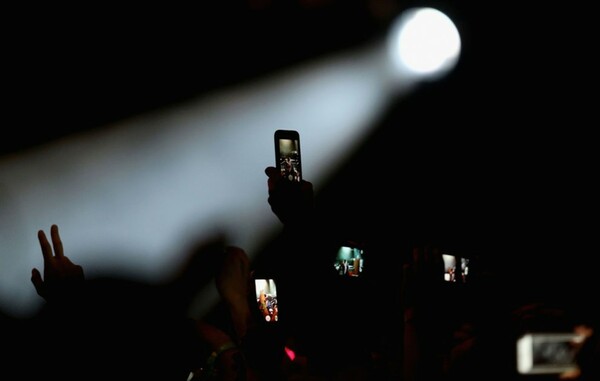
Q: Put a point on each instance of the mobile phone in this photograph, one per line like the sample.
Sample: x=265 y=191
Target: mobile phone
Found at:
x=548 y=353
x=287 y=154
x=350 y=259
x=267 y=303
x=456 y=268
x=267 y=337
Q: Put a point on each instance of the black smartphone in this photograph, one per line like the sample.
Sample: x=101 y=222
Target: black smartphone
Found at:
x=265 y=341
x=287 y=154
x=267 y=303
x=349 y=259
x=456 y=268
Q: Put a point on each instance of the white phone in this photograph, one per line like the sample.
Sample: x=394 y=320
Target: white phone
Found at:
x=548 y=353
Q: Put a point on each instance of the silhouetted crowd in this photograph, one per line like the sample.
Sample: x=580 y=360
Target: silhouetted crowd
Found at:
x=405 y=321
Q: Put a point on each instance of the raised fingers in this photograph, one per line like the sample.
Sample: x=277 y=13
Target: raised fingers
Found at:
x=45 y=246
x=56 y=242
x=38 y=283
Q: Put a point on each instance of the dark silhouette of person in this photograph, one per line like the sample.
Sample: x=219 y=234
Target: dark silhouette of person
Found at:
x=122 y=329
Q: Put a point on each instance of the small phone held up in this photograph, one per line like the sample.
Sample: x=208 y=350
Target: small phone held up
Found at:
x=287 y=154
x=456 y=268
x=265 y=291
x=349 y=260
x=548 y=353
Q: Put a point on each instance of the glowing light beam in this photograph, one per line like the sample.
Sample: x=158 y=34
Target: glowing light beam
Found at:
x=132 y=197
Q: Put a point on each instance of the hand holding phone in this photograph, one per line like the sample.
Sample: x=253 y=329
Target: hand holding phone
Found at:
x=290 y=196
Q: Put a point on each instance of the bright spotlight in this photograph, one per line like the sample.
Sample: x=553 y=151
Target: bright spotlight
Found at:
x=424 y=42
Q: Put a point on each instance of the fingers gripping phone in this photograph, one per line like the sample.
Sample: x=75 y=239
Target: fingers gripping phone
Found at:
x=287 y=154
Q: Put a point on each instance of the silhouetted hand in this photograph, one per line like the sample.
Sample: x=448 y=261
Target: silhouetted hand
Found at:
x=423 y=275
x=227 y=361
x=61 y=276
x=232 y=283
x=422 y=299
x=291 y=201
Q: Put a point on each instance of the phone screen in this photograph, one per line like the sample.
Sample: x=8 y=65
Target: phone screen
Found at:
x=349 y=260
x=452 y=271
x=287 y=154
x=547 y=353
x=266 y=299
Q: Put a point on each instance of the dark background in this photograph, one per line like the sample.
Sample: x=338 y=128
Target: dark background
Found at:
x=495 y=158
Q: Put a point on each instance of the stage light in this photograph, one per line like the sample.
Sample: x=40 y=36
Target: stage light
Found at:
x=424 y=44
